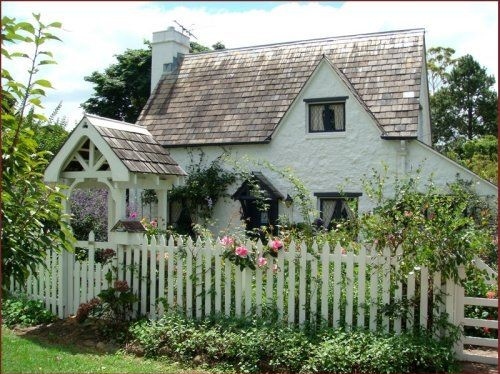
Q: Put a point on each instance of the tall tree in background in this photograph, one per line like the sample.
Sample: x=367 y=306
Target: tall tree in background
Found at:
x=464 y=111
x=439 y=62
x=122 y=90
x=466 y=106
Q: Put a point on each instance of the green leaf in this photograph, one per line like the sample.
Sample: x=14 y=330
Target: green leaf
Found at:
x=19 y=54
x=48 y=53
x=47 y=62
x=55 y=24
x=36 y=101
x=43 y=83
x=26 y=26
x=37 y=91
x=48 y=35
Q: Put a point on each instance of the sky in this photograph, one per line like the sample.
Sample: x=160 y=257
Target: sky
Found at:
x=94 y=32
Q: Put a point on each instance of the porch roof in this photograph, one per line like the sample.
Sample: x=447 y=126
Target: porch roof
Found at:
x=135 y=147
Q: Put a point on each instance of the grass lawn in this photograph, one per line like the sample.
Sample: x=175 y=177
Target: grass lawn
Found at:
x=23 y=355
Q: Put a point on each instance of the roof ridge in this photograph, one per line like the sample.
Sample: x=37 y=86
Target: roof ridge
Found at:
x=110 y=119
x=305 y=41
x=116 y=124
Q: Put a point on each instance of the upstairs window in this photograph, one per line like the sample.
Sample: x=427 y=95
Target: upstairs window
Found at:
x=326 y=115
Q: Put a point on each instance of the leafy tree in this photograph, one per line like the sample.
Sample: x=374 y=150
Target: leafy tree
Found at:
x=32 y=216
x=50 y=135
x=122 y=90
x=466 y=107
x=218 y=46
x=479 y=155
x=439 y=61
x=195 y=47
x=440 y=228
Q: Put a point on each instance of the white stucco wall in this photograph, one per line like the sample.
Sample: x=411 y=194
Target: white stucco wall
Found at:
x=327 y=162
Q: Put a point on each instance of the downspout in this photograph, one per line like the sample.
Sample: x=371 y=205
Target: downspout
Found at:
x=402 y=155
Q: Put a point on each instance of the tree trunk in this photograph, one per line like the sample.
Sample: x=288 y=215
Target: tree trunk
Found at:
x=469 y=123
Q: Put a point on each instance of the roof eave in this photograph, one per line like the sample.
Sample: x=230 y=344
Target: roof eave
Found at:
x=398 y=137
x=219 y=144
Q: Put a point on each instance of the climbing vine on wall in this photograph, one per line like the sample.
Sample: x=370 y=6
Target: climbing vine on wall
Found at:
x=206 y=183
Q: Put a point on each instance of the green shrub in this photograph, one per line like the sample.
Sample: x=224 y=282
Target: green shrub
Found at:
x=25 y=312
x=368 y=352
x=258 y=346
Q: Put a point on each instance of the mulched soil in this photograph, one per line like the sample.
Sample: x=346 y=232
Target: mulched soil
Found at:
x=86 y=337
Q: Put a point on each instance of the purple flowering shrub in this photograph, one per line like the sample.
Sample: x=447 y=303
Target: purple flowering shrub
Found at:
x=89 y=209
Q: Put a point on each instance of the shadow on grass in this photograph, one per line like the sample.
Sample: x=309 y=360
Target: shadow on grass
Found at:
x=69 y=336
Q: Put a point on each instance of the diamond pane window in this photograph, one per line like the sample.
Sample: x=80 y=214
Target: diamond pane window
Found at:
x=327 y=117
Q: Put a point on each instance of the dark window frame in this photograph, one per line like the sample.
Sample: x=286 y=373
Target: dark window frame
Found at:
x=325 y=101
x=339 y=196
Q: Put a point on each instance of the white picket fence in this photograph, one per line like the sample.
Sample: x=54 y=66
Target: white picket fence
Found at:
x=333 y=286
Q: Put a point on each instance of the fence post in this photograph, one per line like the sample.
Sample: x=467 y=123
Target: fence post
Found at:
x=458 y=315
x=64 y=302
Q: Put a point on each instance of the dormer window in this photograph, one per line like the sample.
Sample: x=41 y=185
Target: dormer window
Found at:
x=326 y=114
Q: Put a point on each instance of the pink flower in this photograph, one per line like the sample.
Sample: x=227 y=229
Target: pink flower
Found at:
x=241 y=251
x=133 y=215
x=261 y=262
x=153 y=223
x=491 y=294
x=275 y=244
x=226 y=241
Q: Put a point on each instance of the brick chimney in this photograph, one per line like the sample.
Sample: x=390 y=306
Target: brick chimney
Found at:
x=168 y=46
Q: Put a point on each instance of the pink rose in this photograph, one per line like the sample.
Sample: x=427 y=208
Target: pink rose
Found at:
x=226 y=241
x=241 y=251
x=261 y=262
x=153 y=223
x=275 y=244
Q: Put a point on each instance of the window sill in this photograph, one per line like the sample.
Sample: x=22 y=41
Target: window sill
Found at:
x=326 y=135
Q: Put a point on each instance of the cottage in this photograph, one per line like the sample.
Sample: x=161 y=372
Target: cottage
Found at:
x=331 y=109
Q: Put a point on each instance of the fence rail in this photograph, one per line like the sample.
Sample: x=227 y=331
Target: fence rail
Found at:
x=300 y=285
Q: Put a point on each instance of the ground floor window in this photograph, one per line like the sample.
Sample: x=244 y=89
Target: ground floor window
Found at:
x=336 y=207
x=180 y=217
x=258 y=211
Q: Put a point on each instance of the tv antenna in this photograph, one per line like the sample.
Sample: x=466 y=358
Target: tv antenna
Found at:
x=185 y=30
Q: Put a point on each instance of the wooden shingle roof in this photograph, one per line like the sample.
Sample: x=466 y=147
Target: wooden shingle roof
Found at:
x=135 y=147
x=240 y=95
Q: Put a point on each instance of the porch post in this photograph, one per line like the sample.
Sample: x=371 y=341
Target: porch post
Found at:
x=119 y=198
x=162 y=208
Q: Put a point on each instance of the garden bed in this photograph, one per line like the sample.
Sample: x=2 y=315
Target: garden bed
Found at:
x=88 y=338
